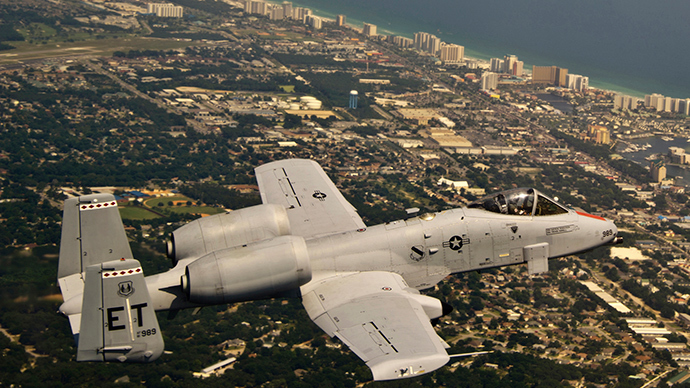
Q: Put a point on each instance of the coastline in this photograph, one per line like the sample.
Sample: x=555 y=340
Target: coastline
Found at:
x=604 y=83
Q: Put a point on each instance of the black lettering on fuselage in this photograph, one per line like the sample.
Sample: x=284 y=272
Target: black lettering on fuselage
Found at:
x=113 y=318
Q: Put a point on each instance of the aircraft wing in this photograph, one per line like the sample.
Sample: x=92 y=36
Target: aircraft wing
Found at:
x=314 y=205
x=380 y=319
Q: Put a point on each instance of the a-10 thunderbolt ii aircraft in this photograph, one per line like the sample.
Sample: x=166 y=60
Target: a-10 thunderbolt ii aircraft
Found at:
x=358 y=283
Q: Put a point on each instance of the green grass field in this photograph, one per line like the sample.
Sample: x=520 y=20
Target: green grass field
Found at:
x=179 y=205
x=159 y=202
x=137 y=213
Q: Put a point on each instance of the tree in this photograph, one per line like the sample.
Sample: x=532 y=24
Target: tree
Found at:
x=612 y=274
x=292 y=121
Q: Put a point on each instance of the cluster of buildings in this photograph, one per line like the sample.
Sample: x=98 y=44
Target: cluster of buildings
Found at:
x=656 y=102
x=598 y=134
x=286 y=11
x=661 y=103
x=623 y=102
x=508 y=65
x=559 y=76
x=448 y=53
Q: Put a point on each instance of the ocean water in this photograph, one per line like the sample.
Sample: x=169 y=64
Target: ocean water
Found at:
x=635 y=47
x=657 y=145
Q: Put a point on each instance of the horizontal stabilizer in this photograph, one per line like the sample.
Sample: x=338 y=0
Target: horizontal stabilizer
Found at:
x=118 y=321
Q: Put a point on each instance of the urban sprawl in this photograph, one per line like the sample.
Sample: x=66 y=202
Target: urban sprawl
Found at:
x=171 y=107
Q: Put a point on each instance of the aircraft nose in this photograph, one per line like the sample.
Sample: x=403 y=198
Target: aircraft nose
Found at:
x=607 y=233
x=616 y=238
x=610 y=233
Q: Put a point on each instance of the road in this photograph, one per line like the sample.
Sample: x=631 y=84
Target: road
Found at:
x=132 y=89
x=30 y=350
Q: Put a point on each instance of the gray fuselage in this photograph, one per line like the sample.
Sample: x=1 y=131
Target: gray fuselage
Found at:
x=424 y=250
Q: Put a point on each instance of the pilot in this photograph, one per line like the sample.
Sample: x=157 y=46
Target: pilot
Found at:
x=520 y=203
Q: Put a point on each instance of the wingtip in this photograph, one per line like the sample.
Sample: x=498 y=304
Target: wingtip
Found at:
x=407 y=368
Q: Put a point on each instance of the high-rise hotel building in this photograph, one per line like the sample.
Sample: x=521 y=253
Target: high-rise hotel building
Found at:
x=497 y=65
x=452 y=53
x=300 y=13
x=401 y=41
x=369 y=29
x=489 y=81
x=549 y=75
x=577 y=82
x=165 y=10
x=426 y=42
x=340 y=20
x=512 y=66
x=256 y=6
x=621 y=101
x=314 y=21
x=509 y=65
x=287 y=10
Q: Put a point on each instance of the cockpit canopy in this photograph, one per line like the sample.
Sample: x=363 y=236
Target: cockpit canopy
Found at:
x=519 y=202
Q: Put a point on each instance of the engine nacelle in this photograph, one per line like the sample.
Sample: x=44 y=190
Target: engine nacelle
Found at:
x=227 y=230
x=257 y=271
x=433 y=307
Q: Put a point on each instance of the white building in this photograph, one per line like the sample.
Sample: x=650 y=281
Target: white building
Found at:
x=165 y=10
x=621 y=101
x=668 y=104
x=287 y=9
x=452 y=53
x=256 y=6
x=313 y=21
x=684 y=107
x=426 y=42
x=654 y=101
x=369 y=29
x=577 y=82
x=300 y=13
x=401 y=41
x=489 y=81
x=277 y=13
x=455 y=185
x=512 y=66
x=497 y=65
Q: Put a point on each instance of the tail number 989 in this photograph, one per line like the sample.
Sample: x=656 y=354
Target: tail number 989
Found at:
x=146 y=333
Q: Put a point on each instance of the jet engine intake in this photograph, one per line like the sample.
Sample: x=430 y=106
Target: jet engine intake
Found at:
x=220 y=231
x=256 y=271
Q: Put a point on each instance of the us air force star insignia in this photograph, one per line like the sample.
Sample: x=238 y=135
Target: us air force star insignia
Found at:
x=319 y=195
x=455 y=243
